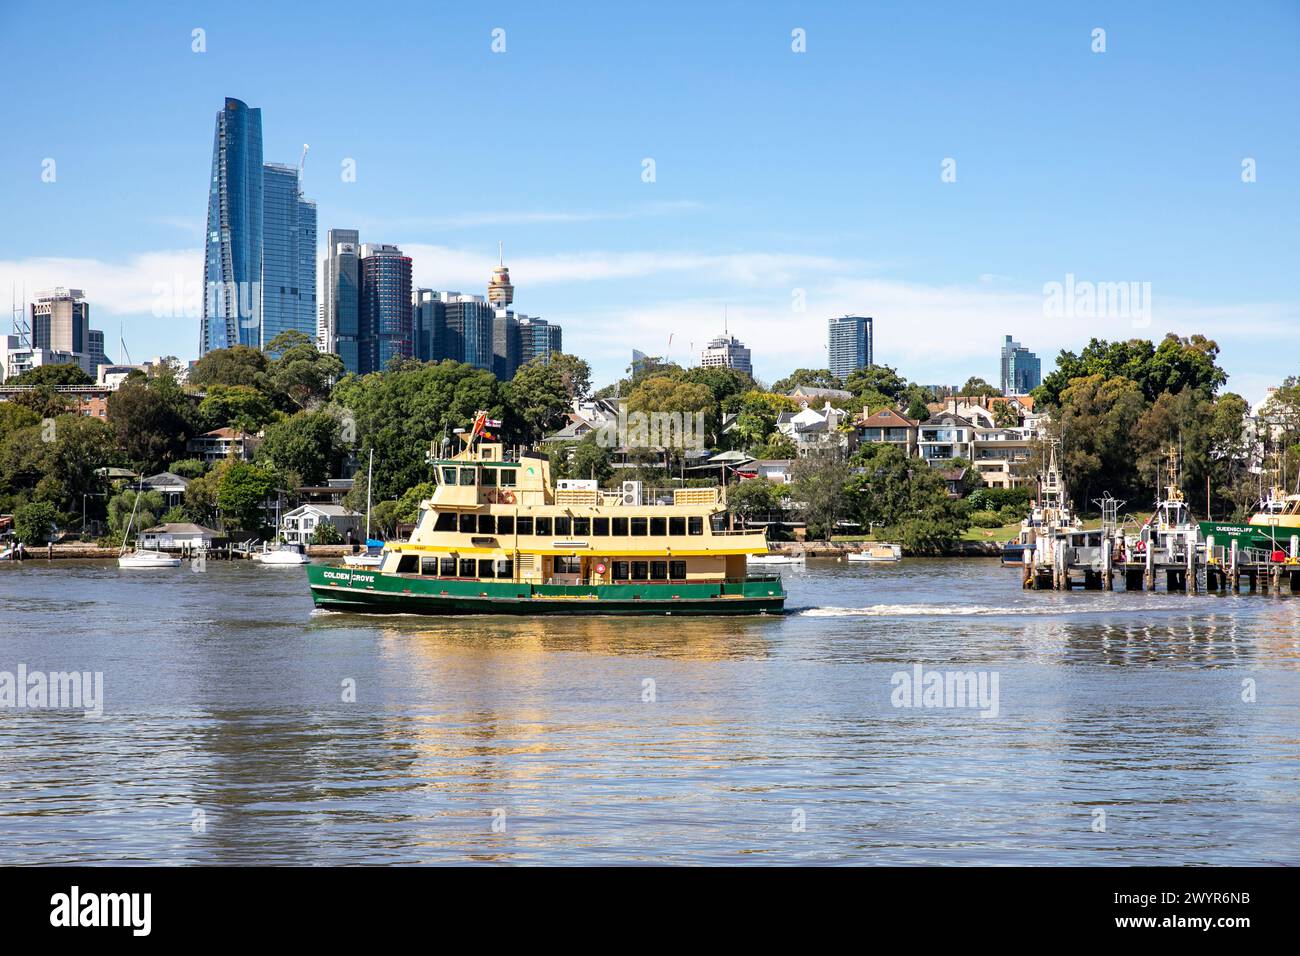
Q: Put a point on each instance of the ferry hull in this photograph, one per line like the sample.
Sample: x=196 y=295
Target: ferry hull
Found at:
x=372 y=592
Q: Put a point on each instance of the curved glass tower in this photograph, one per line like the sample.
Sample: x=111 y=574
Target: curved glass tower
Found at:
x=232 y=264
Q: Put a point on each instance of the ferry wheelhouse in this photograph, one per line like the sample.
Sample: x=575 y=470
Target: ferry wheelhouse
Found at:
x=497 y=537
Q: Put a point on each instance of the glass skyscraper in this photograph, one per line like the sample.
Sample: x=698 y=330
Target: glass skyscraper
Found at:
x=1022 y=370
x=232 y=261
x=288 y=255
x=849 y=345
x=384 y=328
x=341 y=301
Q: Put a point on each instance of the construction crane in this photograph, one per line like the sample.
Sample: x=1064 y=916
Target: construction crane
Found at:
x=302 y=160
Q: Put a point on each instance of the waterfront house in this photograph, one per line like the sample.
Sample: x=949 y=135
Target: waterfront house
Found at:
x=221 y=443
x=888 y=427
x=773 y=469
x=299 y=525
x=817 y=432
x=177 y=536
x=945 y=437
x=1002 y=456
x=171 y=487
x=808 y=394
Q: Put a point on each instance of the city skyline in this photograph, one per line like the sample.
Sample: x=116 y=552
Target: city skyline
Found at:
x=740 y=216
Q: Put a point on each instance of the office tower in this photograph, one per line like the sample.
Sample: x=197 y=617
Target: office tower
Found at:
x=849 y=345
x=61 y=321
x=1022 y=370
x=505 y=344
x=537 y=338
x=340 y=297
x=384 y=327
x=288 y=255
x=96 y=354
x=232 y=259
x=429 y=321
x=726 y=351
x=469 y=327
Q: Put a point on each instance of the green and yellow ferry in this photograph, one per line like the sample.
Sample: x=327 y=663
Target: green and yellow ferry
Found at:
x=498 y=538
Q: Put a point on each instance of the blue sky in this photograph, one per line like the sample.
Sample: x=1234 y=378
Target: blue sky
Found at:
x=781 y=178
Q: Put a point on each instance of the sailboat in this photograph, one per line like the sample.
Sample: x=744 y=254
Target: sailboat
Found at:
x=143 y=558
x=373 y=556
x=283 y=553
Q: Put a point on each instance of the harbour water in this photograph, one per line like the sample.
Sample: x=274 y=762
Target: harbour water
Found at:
x=1130 y=728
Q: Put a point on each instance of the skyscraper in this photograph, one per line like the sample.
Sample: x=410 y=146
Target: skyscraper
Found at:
x=340 y=297
x=850 y=344
x=61 y=321
x=469 y=329
x=538 y=339
x=384 y=327
x=429 y=321
x=727 y=351
x=232 y=259
x=505 y=344
x=1022 y=370
x=500 y=292
x=288 y=255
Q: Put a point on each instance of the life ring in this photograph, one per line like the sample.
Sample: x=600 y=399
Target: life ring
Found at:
x=507 y=497
x=601 y=569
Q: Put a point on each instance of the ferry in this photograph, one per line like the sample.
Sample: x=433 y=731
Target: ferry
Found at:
x=498 y=537
x=1275 y=521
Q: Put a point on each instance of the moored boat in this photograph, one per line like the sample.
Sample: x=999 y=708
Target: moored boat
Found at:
x=498 y=537
x=877 y=552
x=282 y=554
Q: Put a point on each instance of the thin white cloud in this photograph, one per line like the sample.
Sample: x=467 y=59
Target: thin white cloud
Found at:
x=472 y=220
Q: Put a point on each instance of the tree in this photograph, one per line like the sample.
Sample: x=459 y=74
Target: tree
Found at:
x=905 y=498
x=307 y=444
x=66 y=374
x=121 y=505
x=807 y=377
x=876 y=380
x=1005 y=415
x=1176 y=364
x=242 y=493
x=238 y=365
x=977 y=387
x=302 y=372
x=152 y=419
x=241 y=407
x=14 y=416
x=753 y=497
x=818 y=487
x=326 y=533
x=189 y=467
x=1095 y=423
x=34 y=523
x=540 y=397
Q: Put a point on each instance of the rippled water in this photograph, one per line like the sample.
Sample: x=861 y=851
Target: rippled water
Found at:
x=225 y=738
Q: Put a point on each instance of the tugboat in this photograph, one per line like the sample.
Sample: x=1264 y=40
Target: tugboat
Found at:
x=1050 y=514
x=1275 y=521
x=498 y=537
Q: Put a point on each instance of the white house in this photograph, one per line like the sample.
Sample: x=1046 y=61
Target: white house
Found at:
x=175 y=536
x=299 y=525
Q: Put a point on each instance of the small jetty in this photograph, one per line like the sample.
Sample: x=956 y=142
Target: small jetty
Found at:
x=1165 y=552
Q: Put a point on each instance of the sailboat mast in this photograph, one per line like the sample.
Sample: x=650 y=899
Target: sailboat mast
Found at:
x=370 y=474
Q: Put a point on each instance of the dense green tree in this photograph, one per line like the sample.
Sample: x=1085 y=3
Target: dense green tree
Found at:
x=876 y=380
x=301 y=371
x=542 y=393
x=326 y=533
x=807 y=377
x=307 y=444
x=153 y=421
x=1095 y=425
x=905 y=499
x=242 y=492
x=977 y=387
x=189 y=467
x=818 y=487
x=1177 y=363
x=754 y=497
x=14 y=416
x=239 y=365
x=120 y=506
x=241 y=407
x=66 y=374
x=34 y=523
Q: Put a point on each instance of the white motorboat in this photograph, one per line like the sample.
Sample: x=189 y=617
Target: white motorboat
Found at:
x=776 y=559
x=143 y=558
x=879 y=551
x=364 y=559
x=282 y=554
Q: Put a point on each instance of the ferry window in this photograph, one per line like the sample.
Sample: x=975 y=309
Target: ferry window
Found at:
x=487 y=524
x=409 y=564
x=506 y=477
x=567 y=565
x=563 y=527
x=718 y=522
x=489 y=478
x=600 y=527
x=582 y=527
x=428 y=565
x=466 y=567
x=505 y=524
x=640 y=570
x=448 y=476
x=467 y=476
x=639 y=527
x=506 y=568
x=658 y=527
x=677 y=570
x=676 y=525
x=447 y=567
x=696 y=524
x=525 y=525
x=658 y=570
x=620 y=527
x=468 y=524
x=543 y=526
x=446 y=521
x=620 y=570
x=485 y=569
